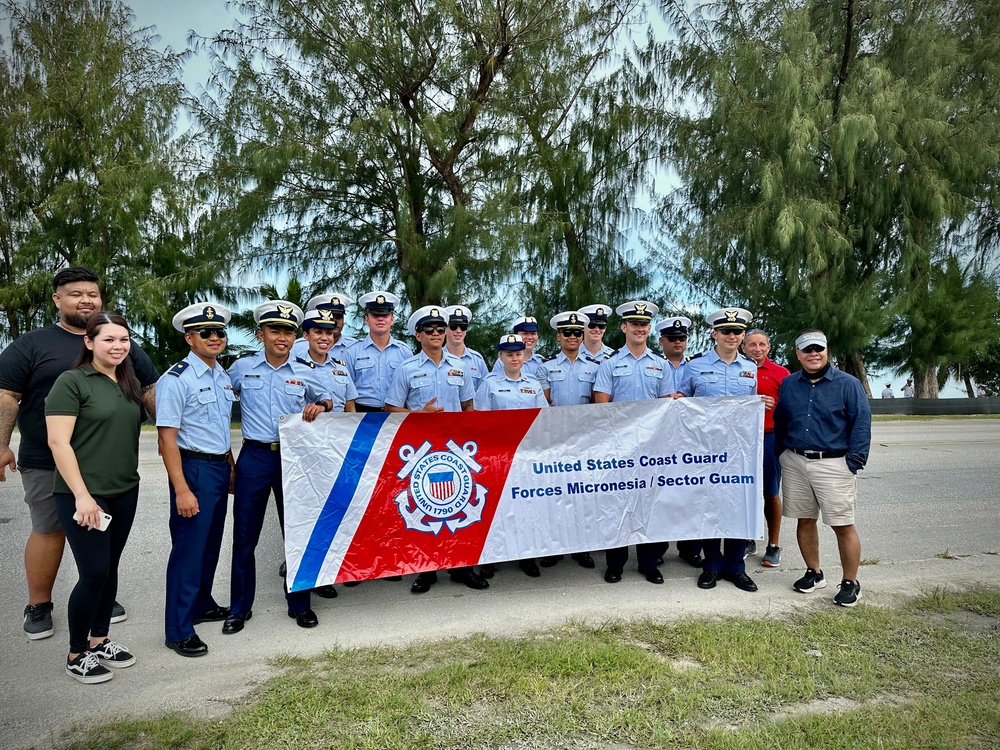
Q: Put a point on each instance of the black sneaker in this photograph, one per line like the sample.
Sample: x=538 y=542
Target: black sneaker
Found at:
x=850 y=592
x=38 y=621
x=87 y=669
x=112 y=654
x=810 y=582
x=118 y=613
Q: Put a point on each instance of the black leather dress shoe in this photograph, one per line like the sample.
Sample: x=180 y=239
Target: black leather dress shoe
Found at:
x=694 y=561
x=470 y=578
x=613 y=575
x=305 y=619
x=193 y=646
x=487 y=570
x=550 y=560
x=423 y=582
x=235 y=624
x=741 y=581
x=707 y=579
x=326 y=592
x=584 y=560
x=283 y=569
x=653 y=575
x=213 y=615
x=530 y=568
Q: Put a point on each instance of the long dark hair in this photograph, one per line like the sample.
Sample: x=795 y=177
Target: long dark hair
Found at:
x=125 y=372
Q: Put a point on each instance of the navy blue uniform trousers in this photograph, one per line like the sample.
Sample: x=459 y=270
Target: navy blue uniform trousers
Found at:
x=724 y=555
x=196 y=541
x=647 y=553
x=258 y=473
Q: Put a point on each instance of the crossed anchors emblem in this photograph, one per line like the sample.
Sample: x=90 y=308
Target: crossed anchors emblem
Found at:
x=442 y=491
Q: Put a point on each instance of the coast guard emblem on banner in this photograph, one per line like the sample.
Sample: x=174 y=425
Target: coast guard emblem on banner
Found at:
x=442 y=492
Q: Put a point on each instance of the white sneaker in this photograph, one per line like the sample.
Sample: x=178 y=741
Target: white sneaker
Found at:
x=112 y=654
x=87 y=669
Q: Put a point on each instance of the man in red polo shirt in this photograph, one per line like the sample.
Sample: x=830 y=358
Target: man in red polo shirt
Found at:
x=757 y=345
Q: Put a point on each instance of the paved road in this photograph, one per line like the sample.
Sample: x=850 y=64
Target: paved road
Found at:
x=931 y=488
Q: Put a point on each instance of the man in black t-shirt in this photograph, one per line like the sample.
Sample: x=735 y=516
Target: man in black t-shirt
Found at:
x=28 y=368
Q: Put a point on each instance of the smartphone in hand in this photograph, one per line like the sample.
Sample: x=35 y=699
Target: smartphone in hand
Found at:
x=105 y=520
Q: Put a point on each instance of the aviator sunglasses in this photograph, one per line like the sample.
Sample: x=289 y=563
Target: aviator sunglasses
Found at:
x=672 y=337
x=729 y=331
x=433 y=329
x=600 y=326
x=814 y=348
x=459 y=326
x=206 y=333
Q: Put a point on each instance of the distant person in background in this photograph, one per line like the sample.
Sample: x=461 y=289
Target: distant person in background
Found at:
x=887 y=391
x=981 y=392
x=92 y=416
x=908 y=388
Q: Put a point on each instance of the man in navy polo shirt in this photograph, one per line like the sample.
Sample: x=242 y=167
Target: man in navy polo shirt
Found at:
x=822 y=433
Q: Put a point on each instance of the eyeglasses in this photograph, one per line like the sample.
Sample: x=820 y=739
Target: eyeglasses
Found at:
x=433 y=329
x=600 y=326
x=814 y=348
x=574 y=332
x=674 y=338
x=207 y=333
x=459 y=326
x=729 y=331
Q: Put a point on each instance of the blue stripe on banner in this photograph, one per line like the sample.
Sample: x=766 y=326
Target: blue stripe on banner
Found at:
x=338 y=501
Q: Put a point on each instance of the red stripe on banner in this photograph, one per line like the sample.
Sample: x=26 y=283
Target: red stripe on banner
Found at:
x=389 y=541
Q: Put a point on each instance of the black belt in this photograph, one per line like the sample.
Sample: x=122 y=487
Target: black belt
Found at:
x=217 y=457
x=366 y=407
x=260 y=444
x=813 y=455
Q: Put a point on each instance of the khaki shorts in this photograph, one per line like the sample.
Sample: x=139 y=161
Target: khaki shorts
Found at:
x=37 y=485
x=810 y=486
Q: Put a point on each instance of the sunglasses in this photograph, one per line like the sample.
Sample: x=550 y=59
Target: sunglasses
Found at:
x=459 y=326
x=814 y=348
x=574 y=332
x=207 y=333
x=729 y=331
x=675 y=338
x=600 y=326
x=433 y=329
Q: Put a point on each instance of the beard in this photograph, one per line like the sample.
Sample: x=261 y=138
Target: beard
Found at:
x=77 y=320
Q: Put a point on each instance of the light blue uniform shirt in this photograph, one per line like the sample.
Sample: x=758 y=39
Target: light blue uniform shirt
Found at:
x=629 y=378
x=373 y=369
x=266 y=392
x=475 y=365
x=530 y=367
x=500 y=392
x=601 y=355
x=334 y=375
x=198 y=401
x=418 y=380
x=674 y=374
x=301 y=348
x=569 y=382
x=708 y=375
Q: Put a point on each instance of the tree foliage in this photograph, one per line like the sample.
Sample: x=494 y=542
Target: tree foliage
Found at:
x=91 y=170
x=438 y=148
x=834 y=158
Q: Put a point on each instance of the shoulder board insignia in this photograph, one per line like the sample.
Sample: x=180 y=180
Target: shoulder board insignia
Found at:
x=549 y=359
x=249 y=353
x=177 y=369
x=307 y=362
x=694 y=356
x=592 y=359
x=338 y=361
x=612 y=353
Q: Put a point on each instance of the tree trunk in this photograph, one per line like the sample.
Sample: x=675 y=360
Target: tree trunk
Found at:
x=854 y=364
x=968 y=383
x=925 y=382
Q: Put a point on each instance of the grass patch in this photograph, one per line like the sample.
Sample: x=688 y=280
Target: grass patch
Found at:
x=830 y=678
x=946 y=555
x=870 y=561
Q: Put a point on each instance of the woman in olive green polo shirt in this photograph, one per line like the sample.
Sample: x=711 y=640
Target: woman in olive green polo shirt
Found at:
x=92 y=415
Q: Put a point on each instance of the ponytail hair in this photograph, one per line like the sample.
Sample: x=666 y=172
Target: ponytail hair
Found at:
x=125 y=372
